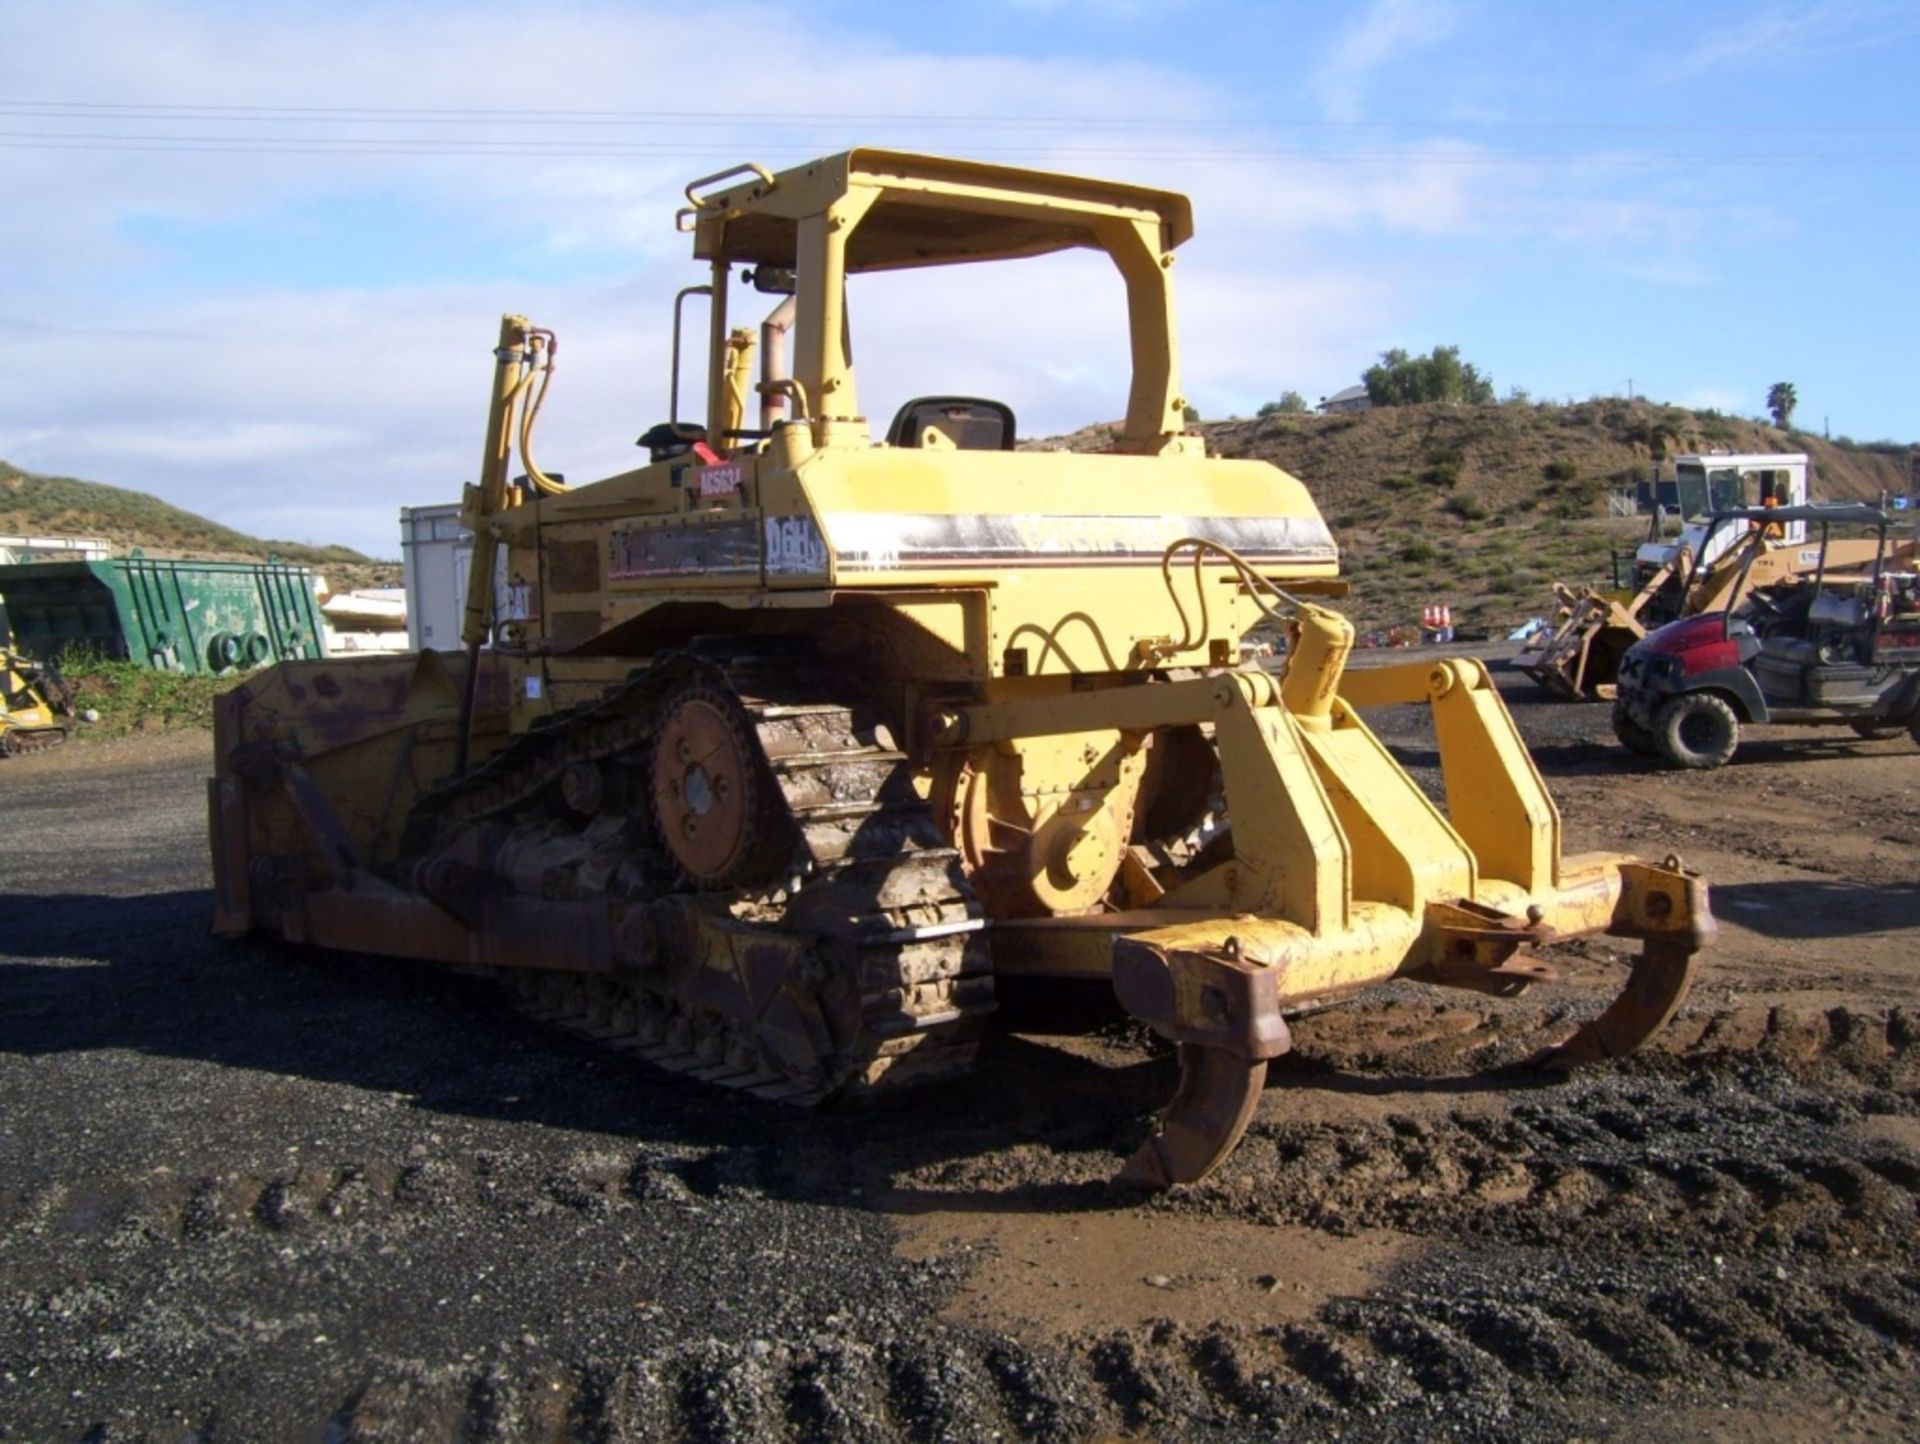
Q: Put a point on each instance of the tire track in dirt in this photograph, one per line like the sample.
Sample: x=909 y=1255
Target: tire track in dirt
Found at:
x=1651 y=1232
x=1486 y=1364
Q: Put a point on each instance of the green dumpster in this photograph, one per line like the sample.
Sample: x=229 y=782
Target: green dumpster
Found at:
x=178 y=616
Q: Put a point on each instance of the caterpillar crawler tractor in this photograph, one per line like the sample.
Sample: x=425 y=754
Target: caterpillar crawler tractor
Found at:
x=781 y=748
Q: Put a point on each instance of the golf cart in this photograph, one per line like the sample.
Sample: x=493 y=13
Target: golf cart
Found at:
x=1839 y=645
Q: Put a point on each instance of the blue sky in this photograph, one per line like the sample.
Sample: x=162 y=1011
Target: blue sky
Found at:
x=255 y=253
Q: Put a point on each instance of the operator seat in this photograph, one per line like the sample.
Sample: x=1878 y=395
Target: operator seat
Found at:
x=969 y=422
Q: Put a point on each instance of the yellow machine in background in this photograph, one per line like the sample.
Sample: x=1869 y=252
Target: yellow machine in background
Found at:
x=34 y=706
x=787 y=744
x=1579 y=658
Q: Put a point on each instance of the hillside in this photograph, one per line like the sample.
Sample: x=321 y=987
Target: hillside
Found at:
x=1480 y=507
x=1484 y=507
x=66 y=506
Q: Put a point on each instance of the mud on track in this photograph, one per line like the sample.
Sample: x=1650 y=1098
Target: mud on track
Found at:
x=247 y=1193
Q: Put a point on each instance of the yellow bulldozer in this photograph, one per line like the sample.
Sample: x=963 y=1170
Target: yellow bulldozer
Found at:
x=776 y=751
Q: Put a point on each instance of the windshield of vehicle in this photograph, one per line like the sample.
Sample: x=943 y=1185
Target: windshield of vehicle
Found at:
x=1048 y=337
x=1704 y=490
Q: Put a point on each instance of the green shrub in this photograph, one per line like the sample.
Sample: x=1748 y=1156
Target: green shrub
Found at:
x=132 y=698
x=1561 y=470
x=1291 y=403
x=1403 y=380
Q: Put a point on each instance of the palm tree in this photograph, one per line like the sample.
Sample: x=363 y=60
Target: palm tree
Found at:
x=1781 y=399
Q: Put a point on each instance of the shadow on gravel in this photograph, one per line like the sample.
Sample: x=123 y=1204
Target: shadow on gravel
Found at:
x=87 y=972
x=1824 y=909
x=1296 y=1071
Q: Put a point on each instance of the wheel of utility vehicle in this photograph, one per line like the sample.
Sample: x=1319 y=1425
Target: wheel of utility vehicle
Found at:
x=1635 y=738
x=1697 y=730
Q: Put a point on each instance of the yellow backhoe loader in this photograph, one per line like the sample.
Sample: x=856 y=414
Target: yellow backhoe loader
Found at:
x=1579 y=657
x=780 y=748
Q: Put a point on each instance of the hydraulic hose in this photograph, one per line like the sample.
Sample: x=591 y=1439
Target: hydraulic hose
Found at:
x=1192 y=639
x=543 y=349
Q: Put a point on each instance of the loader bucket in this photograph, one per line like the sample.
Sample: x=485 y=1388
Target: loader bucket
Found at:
x=1579 y=659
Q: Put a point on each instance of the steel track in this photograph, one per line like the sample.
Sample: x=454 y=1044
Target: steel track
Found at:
x=901 y=972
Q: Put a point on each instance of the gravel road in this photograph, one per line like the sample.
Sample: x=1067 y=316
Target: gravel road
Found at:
x=249 y=1193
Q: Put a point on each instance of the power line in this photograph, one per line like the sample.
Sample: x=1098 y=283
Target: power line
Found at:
x=167 y=112
x=479 y=147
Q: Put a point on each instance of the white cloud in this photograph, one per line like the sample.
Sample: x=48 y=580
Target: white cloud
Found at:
x=1731 y=399
x=274 y=405
x=1796 y=33
x=214 y=443
x=1387 y=31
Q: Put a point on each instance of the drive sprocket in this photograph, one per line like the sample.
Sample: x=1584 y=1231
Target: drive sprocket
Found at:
x=714 y=801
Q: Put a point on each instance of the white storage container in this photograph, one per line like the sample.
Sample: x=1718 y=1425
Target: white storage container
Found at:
x=437 y=554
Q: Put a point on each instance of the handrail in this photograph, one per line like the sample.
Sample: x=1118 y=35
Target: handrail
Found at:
x=673 y=381
x=790 y=387
x=750 y=167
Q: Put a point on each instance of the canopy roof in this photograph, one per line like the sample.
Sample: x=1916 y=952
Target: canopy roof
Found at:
x=1841 y=513
x=925 y=211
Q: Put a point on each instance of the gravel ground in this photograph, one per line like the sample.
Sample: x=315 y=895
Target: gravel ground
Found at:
x=248 y=1193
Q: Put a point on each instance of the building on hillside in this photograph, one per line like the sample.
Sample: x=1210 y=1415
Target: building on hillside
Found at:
x=1352 y=398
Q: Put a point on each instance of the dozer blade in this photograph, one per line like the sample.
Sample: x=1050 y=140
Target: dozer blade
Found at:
x=1661 y=978
x=1210 y=1110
